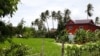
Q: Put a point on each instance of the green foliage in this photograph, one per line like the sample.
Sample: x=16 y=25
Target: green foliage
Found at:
x=97 y=34
x=5 y=31
x=63 y=36
x=20 y=27
x=8 y=7
x=82 y=36
x=14 y=50
x=62 y=20
x=90 y=49
x=28 y=32
x=61 y=17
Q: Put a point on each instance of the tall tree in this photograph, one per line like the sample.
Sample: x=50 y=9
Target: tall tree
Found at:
x=47 y=17
x=97 y=20
x=43 y=17
x=67 y=15
x=59 y=16
x=36 y=23
x=32 y=23
x=20 y=27
x=8 y=7
x=89 y=9
x=60 y=23
x=41 y=30
x=63 y=19
x=53 y=17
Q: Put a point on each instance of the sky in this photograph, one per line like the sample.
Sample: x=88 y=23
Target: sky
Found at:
x=31 y=9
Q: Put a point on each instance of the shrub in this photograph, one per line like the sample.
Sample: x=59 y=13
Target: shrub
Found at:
x=14 y=50
x=90 y=49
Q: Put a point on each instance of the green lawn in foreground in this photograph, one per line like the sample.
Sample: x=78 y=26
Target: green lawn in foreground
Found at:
x=50 y=48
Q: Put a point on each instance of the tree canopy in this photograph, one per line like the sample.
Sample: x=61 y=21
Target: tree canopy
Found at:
x=8 y=7
x=89 y=9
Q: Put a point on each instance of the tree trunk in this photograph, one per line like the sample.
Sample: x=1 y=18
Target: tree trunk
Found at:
x=52 y=23
x=62 y=51
x=48 y=30
x=47 y=25
x=87 y=16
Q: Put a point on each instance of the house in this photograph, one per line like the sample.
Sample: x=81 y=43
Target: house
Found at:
x=87 y=24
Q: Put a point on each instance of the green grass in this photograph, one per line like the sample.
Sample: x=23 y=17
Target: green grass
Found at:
x=50 y=48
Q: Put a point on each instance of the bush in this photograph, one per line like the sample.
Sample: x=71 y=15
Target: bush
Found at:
x=82 y=36
x=14 y=50
x=90 y=49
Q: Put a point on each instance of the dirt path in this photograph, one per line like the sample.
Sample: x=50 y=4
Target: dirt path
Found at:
x=66 y=44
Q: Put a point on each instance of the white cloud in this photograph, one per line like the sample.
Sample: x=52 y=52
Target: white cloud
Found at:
x=31 y=9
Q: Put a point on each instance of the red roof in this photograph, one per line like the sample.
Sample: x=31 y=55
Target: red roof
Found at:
x=83 y=21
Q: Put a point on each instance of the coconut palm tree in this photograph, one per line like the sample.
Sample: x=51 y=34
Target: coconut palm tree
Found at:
x=67 y=15
x=41 y=28
x=20 y=27
x=53 y=17
x=47 y=17
x=89 y=9
x=59 y=16
x=67 y=12
x=41 y=31
x=42 y=16
x=60 y=23
x=96 y=20
x=62 y=19
x=36 y=23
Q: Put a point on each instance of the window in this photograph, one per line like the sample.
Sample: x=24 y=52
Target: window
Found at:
x=80 y=27
x=71 y=22
x=70 y=27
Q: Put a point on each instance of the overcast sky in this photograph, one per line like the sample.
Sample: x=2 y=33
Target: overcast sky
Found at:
x=31 y=9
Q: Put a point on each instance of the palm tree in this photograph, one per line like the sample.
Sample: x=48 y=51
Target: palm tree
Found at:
x=67 y=15
x=43 y=17
x=89 y=9
x=59 y=18
x=42 y=33
x=53 y=17
x=41 y=30
x=36 y=23
x=62 y=19
x=67 y=12
x=20 y=27
x=32 y=23
x=47 y=17
x=96 y=20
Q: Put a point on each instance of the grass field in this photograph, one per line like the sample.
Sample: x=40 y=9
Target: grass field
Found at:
x=50 y=48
